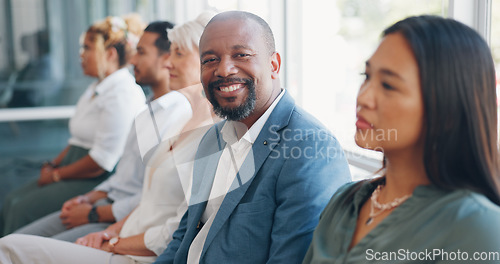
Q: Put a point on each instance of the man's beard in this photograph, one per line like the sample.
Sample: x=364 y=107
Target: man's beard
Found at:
x=144 y=81
x=237 y=113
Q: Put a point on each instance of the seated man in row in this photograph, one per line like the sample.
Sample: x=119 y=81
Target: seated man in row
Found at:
x=261 y=178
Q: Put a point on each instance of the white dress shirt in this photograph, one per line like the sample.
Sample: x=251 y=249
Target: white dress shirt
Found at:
x=125 y=186
x=168 y=176
x=234 y=154
x=161 y=120
x=104 y=115
x=163 y=201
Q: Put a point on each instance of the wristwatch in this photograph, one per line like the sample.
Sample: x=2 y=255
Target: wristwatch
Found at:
x=113 y=242
x=93 y=215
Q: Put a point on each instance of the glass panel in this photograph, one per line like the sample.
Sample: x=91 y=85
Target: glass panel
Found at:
x=4 y=59
x=293 y=59
x=33 y=140
x=30 y=57
x=96 y=9
x=46 y=69
x=119 y=7
x=223 y=4
x=24 y=146
x=258 y=7
x=164 y=8
x=337 y=38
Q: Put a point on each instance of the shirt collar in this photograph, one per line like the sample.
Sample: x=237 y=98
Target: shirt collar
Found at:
x=229 y=130
x=150 y=98
x=110 y=80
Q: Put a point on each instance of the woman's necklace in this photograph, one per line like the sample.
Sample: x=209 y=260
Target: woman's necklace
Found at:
x=382 y=207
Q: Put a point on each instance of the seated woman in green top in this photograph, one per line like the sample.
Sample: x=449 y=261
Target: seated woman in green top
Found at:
x=429 y=104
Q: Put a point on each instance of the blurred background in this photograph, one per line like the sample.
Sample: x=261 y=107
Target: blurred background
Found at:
x=324 y=45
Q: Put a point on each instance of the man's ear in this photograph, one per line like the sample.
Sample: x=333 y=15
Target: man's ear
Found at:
x=275 y=65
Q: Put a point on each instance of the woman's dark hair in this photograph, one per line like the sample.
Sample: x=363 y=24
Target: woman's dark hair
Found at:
x=457 y=77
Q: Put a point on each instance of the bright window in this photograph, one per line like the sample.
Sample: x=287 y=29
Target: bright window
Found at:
x=336 y=39
x=326 y=44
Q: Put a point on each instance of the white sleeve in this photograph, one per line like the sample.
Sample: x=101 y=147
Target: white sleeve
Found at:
x=113 y=125
x=163 y=119
x=105 y=186
x=157 y=238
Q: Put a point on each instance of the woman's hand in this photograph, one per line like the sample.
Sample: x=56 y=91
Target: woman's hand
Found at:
x=106 y=247
x=98 y=239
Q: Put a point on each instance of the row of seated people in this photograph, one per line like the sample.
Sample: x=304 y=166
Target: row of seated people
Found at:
x=208 y=176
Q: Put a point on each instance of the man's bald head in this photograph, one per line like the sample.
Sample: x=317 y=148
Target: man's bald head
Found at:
x=267 y=33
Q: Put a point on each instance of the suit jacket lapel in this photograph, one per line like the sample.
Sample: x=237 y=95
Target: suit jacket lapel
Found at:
x=205 y=166
x=266 y=141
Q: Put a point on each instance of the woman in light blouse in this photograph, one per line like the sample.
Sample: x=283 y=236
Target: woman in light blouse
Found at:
x=429 y=104
x=98 y=129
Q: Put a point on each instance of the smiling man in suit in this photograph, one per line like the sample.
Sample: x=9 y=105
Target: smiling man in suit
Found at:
x=262 y=177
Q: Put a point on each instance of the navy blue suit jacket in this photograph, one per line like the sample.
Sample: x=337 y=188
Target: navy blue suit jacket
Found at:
x=291 y=173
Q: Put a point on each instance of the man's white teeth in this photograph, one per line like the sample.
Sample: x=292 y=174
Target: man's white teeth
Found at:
x=231 y=88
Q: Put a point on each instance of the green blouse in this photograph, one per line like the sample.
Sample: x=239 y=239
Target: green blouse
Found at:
x=432 y=226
